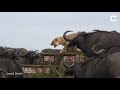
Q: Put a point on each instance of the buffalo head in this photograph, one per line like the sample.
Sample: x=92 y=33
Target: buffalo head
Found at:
x=85 y=41
x=21 y=51
x=31 y=54
x=8 y=52
x=14 y=53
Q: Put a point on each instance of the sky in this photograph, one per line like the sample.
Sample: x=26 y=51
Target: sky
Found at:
x=36 y=30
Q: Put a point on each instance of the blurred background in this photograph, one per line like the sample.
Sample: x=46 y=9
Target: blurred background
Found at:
x=36 y=30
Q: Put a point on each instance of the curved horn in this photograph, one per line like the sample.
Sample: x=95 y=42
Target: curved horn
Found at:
x=64 y=36
x=97 y=52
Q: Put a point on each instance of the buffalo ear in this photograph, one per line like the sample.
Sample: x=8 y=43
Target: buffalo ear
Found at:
x=23 y=52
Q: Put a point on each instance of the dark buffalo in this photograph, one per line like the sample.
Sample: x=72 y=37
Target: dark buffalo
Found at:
x=1 y=50
x=97 y=68
x=30 y=58
x=12 y=53
x=57 y=51
x=85 y=41
x=105 y=65
x=8 y=66
x=10 y=69
x=7 y=53
x=19 y=55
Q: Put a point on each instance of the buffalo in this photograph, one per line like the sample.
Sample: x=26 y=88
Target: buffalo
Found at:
x=56 y=51
x=31 y=56
x=8 y=67
x=28 y=58
x=105 y=65
x=12 y=53
x=101 y=63
x=85 y=41
x=7 y=53
x=19 y=55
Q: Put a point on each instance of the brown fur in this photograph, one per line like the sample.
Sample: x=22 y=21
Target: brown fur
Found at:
x=61 y=41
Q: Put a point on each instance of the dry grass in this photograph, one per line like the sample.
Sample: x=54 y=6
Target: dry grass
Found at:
x=54 y=73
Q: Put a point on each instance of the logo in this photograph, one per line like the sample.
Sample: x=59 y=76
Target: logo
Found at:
x=113 y=18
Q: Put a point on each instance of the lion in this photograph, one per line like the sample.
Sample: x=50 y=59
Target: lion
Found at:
x=61 y=41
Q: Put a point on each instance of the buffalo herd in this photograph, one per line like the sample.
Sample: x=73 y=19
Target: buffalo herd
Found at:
x=11 y=60
x=102 y=49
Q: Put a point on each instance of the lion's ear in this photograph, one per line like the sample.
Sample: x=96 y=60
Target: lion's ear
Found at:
x=56 y=39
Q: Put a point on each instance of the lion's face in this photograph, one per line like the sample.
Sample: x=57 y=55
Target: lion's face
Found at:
x=55 y=42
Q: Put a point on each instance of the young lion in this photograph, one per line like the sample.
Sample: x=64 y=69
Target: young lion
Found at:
x=61 y=41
